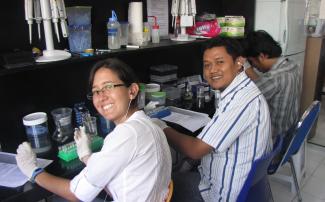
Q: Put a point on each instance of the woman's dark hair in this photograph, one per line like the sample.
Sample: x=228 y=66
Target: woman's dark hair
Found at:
x=260 y=41
x=124 y=72
x=232 y=46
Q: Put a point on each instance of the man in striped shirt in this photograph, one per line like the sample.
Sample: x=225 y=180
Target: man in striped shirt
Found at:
x=238 y=134
x=279 y=80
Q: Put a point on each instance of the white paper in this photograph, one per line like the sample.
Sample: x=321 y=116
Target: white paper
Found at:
x=188 y=119
x=159 y=9
x=10 y=174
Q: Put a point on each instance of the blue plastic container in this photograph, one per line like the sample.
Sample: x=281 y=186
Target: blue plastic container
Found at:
x=79 y=15
x=79 y=38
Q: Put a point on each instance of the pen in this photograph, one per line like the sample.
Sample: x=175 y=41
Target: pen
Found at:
x=103 y=50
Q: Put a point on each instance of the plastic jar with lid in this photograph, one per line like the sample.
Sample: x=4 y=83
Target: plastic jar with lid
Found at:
x=37 y=131
x=160 y=97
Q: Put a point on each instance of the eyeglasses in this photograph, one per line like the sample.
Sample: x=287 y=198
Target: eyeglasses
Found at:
x=106 y=88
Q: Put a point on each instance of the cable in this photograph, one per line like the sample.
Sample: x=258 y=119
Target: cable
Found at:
x=127 y=109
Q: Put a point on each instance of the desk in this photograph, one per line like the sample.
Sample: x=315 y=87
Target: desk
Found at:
x=32 y=192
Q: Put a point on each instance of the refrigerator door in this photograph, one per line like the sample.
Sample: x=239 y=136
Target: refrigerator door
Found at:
x=294 y=35
x=268 y=17
x=284 y=21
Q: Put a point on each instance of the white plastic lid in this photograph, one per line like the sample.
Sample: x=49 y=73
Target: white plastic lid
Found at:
x=35 y=119
x=152 y=87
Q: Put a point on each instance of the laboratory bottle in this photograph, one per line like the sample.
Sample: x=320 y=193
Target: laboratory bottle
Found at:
x=217 y=98
x=187 y=96
x=155 y=34
x=155 y=30
x=200 y=97
x=113 y=32
x=188 y=92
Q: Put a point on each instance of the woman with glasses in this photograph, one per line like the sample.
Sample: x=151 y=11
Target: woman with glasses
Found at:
x=134 y=163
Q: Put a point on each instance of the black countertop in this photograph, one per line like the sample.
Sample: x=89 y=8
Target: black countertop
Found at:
x=32 y=192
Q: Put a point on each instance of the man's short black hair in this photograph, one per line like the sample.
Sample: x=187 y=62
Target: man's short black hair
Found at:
x=232 y=46
x=260 y=41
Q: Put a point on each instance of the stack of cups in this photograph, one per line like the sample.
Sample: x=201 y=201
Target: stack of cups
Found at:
x=136 y=23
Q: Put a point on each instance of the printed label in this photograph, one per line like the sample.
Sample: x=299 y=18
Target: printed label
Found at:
x=112 y=31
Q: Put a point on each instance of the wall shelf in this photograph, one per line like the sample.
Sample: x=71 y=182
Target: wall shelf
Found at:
x=164 y=44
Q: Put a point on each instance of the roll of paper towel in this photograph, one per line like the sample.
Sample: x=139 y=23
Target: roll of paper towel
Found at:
x=135 y=16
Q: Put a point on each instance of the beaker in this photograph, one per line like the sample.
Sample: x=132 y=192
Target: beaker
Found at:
x=90 y=125
x=105 y=126
x=124 y=33
x=62 y=120
x=200 y=97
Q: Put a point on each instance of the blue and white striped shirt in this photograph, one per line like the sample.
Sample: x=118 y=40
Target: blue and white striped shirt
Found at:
x=240 y=132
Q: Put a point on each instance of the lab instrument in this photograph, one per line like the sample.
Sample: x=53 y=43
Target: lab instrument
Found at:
x=29 y=17
x=38 y=17
x=174 y=12
x=50 y=54
x=55 y=18
x=185 y=10
x=63 y=17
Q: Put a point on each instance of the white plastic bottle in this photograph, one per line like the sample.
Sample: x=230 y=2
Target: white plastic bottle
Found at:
x=155 y=34
x=113 y=32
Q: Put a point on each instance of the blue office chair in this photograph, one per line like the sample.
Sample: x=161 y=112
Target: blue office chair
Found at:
x=297 y=139
x=256 y=186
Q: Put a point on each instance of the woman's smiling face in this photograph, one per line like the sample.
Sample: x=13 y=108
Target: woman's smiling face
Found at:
x=219 y=68
x=112 y=103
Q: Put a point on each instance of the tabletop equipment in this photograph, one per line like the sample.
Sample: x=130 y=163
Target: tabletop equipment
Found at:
x=185 y=11
x=49 y=10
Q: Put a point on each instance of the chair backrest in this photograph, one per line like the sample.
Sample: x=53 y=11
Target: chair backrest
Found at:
x=302 y=130
x=258 y=173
